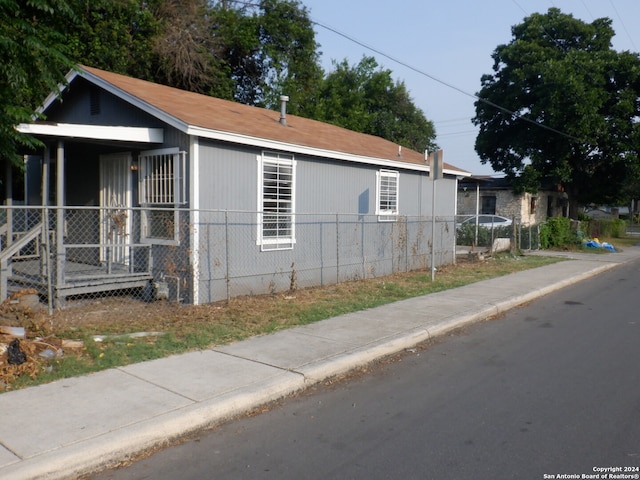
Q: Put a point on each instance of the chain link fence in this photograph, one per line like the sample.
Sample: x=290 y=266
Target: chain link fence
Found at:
x=202 y=256
x=487 y=233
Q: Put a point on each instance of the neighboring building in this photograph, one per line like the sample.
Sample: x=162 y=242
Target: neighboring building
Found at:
x=495 y=196
x=161 y=164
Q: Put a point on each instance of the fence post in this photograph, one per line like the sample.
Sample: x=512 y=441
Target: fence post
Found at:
x=226 y=247
x=406 y=243
x=337 y=248
x=46 y=258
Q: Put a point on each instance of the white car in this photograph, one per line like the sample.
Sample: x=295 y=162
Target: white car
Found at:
x=487 y=221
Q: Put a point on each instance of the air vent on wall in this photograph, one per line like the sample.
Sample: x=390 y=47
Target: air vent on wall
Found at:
x=94 y=101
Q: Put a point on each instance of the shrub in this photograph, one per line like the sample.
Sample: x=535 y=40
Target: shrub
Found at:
x=466 y=233
x=608 y=228
x=557 y=232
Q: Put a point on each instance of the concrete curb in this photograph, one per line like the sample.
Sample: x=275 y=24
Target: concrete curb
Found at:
x=117 y=446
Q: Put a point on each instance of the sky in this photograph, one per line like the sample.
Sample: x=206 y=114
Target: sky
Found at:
x=440 y=50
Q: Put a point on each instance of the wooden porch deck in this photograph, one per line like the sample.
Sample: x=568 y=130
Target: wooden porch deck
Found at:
x=78 y=278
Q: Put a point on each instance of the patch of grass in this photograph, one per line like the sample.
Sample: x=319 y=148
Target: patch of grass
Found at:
x=187 y=328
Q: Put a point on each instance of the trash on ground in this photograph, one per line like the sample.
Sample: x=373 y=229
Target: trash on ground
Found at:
x=595 y=243
x=23 y=354
x=15 y=356
x=18 y=332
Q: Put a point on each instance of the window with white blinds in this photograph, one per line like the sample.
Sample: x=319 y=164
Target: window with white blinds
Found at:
x=276 y=201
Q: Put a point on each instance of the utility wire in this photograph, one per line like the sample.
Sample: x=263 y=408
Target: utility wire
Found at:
x=446 y=84
x=623 y=25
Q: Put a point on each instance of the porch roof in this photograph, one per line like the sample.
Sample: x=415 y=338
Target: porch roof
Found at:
x=94 y=132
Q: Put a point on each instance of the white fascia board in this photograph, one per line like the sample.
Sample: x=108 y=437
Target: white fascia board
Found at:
x=461 y=175
x=94 y=132
x=53 y=96
x=303 y=150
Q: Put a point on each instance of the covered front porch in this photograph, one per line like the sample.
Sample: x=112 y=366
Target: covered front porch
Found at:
x=76 y=231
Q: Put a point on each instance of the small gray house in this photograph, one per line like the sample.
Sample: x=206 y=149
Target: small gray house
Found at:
x=147 y=184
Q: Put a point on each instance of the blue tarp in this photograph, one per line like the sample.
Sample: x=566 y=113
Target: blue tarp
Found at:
x=594 y=243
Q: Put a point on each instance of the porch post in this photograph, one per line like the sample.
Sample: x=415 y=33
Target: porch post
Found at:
x=45 y=262
x=60 y=250
x=46 y=168
x=4 y=263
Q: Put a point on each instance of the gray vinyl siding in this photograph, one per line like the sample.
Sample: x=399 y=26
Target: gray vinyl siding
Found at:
x=227 y=177
x=338 y=236
x=228 y=180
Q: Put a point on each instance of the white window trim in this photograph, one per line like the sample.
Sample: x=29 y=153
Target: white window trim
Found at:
x=179 y=195
x=387 y=215
x=179 y=177
x=145 y=236
x=277 y=243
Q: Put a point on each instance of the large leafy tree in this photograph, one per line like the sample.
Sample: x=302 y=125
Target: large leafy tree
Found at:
x=115 y=35
x=365 y=98
x=289 y=55
x=561 y=104
x=187 y=52
x=32 y=64
x=270 y=50
x=165 y=41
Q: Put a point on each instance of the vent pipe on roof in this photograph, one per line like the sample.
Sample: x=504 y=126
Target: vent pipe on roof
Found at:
x=283 y=109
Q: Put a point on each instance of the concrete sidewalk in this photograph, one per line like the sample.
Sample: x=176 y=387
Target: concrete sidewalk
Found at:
x=72 y=427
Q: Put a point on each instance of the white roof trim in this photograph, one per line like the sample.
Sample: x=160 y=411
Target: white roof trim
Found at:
x=304 y=150
x=94 y=132
x=54 y=95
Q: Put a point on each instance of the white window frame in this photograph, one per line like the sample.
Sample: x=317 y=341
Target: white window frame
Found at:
x=161 y=185
x=276 y=241
x=385 y=195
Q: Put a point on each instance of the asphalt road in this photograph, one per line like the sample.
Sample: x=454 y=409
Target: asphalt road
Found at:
x=547 y=390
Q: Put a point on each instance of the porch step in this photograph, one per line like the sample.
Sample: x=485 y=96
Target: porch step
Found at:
x=107 y=284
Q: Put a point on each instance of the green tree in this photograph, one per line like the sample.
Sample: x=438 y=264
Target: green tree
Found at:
x=289 y=55
x=32 y=64
x=187 y=51
x=562 y=105
x=236 y=34
x=269 y=48
x=114 y=35
x=365 y=98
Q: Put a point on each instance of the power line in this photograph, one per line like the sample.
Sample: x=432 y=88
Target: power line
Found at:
x=451 y=134
x=624 y=27
x=446 y=84
x=452 y=120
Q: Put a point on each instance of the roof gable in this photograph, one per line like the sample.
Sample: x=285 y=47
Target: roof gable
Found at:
x=207 y=116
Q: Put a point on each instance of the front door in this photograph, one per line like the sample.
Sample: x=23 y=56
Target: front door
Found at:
x=115 y=208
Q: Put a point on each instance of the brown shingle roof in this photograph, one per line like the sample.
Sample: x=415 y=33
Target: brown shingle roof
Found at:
x=226 y=116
